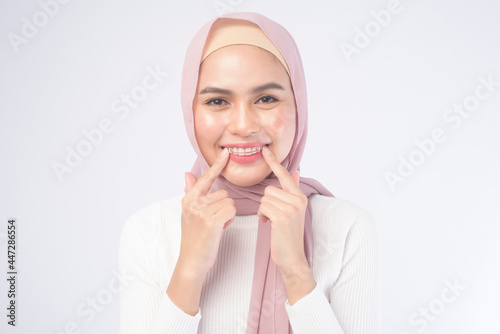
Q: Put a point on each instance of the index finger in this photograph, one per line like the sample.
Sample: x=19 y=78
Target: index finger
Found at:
x=286 y=180
x=202 y=186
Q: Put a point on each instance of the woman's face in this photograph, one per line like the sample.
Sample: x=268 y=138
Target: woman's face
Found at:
x=243 y=101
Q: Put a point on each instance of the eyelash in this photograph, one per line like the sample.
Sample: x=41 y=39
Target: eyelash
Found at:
x=211 y=101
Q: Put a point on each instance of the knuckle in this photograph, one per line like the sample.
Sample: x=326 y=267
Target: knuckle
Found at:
x=228 y=201
x=304 y=199
x=226 y=210
x=187 y=202
x=301 y=199
x=291 y=207
x=210 y=174
x=264 y=199
x=207 y=175
x=297 y=202
x=203 y=179
x=193 y=204
x=203 y=201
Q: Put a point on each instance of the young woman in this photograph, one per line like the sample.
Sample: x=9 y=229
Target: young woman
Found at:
x=251 y=247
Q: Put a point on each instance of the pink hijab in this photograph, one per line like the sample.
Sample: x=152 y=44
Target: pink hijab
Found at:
x=267 y=313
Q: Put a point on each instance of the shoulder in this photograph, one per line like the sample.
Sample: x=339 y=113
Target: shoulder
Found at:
x=340 y=215
x=344 y=235
x=147 y=222
x=339 y=207
x=150 y=240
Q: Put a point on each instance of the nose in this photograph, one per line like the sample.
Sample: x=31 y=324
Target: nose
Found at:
x=243 y=120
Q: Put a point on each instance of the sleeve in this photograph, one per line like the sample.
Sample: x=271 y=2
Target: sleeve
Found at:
x=144 y=307
x=353 y=306
x=313 y=314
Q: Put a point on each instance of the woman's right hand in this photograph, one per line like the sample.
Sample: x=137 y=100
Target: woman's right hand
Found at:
x=204 y=216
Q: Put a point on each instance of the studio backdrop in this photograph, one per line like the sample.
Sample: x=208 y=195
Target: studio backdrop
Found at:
x=404 y=111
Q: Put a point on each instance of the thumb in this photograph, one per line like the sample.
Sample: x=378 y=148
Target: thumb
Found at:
x=190 y=180
x=262 y=218
x=296 y=177
x=226 y=224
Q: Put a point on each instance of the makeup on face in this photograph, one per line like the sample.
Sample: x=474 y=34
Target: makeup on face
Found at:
x=244 y=101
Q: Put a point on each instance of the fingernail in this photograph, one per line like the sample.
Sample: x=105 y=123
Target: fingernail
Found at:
x=265 y=151
x=223 y=153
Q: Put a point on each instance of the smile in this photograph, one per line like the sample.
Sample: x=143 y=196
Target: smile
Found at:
x=243 y=152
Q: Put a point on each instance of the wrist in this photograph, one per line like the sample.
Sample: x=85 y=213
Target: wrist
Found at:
x=294 y=268
x=299 y=280
x=295 y=272
x=185 y=288
x=189 y=271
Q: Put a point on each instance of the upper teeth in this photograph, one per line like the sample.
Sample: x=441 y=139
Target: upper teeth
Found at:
x=245 y=151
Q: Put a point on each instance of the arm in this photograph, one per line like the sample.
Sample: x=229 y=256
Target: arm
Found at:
x=353 y=305
x=185 y=287
x=144 y=307
x=352 y=296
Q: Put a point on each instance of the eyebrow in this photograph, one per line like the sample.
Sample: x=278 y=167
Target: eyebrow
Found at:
x=271 y=85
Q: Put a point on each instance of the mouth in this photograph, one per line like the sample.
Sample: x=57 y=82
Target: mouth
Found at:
x=245 y=150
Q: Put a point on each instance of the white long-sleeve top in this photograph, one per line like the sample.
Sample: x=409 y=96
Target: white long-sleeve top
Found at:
x=345 y=267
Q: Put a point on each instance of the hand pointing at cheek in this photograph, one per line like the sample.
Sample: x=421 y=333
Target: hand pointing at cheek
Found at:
x=204 y=216
x=285 y=210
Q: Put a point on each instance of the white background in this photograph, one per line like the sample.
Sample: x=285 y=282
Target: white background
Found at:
x=440 y=224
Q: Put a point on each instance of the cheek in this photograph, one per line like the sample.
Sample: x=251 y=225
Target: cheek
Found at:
x=281 y=126
x=208 y=130
x=203 y=121
x=206 y=125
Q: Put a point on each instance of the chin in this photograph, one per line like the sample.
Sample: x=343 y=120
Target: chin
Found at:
x=243 y=182
x=244 y=178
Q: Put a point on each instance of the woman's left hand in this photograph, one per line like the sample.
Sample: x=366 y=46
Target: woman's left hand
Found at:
x=285 y=209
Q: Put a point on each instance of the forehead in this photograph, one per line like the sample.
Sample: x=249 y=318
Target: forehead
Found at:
x=228 y=31
x=242 y=64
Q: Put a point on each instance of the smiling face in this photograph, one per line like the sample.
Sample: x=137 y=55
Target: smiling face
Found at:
x=243 y=101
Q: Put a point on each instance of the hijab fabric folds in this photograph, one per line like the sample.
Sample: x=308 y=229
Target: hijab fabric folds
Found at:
x=267 y=313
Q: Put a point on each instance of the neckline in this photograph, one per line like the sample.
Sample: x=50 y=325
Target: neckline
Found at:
x=244 y=222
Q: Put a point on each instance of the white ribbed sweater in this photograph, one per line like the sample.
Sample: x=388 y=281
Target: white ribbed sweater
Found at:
x=345 y=267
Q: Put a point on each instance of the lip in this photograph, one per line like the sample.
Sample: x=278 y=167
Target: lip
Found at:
x=245 y=145
x=245 y=159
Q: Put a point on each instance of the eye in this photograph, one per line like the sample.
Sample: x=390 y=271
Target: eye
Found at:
x=216 y=102
x=267 y=99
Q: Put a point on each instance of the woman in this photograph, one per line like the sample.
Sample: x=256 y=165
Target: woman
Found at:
x=251 y=247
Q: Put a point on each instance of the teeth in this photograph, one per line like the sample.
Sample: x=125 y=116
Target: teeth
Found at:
x=245 y=151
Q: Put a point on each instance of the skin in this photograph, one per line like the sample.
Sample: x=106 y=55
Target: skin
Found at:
x=241 y=114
